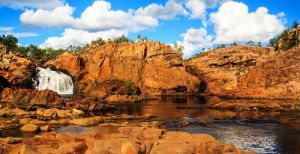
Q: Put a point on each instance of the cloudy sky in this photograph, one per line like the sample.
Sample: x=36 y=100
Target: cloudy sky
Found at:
x=195 y=24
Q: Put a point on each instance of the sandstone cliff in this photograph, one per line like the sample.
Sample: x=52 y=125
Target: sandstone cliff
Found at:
x=222 y=69
x=279 y=77
x=152 y=67
x=15 y=70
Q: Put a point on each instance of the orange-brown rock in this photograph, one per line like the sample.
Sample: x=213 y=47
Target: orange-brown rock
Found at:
x=69 y=62
x=223 y=68
x=153 y=67
x=276 y=78
x=128 y=140
x=15 y=70
x=24 y=98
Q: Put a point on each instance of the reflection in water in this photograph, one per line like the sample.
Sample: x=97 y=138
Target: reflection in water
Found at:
x=250 y=130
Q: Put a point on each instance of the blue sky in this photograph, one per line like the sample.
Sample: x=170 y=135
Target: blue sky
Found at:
x=195 y=24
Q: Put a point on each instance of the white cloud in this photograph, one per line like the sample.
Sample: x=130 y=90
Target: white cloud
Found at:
x=79 y=38
x=100 y=16
x=22 y=34
x=58 y=17
x=21 y=4
x=197 y=7
x=10 y=31
x=6 y=29
x=171 y=9
x=195 y=39
x=234 y=23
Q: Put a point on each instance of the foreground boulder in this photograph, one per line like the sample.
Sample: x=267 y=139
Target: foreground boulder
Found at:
x=151 y=67
x=15 y=70
x=223 y=68
x=126 y=140
x=24 y=98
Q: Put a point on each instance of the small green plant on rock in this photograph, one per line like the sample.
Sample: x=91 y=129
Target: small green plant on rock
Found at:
x=131 y=88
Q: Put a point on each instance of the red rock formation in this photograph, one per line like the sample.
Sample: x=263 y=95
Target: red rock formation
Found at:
x=128 y=140
x=153 y=67
x=223 y=68
x=24 y=98
x=15 y=70
x=67 y=61
x=279 y=77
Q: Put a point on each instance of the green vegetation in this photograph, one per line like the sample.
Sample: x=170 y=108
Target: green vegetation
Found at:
x=121 y=39
x=141 y=38
x=250 y=43
x=34 y=52
x=41 y=55
x=285 y=40
x=234 y=44
x=131 y=88
x=9 y=41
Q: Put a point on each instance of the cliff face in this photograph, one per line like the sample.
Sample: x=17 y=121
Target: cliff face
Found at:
x=222 y=69
x=279 y=77
x=15 y=70
x=152 y=67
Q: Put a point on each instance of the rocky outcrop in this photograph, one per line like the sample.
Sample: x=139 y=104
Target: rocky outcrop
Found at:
x=223 y=68
x=153 y=67
x=15 y=70
x=276 y=78
x=289 y=39
x=24 y=98
x=69 y=62
x=125 y=140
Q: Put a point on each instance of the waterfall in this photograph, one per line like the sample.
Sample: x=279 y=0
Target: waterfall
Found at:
x=55 y=81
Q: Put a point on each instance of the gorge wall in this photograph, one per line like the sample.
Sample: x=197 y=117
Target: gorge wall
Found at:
x=152 y=67
x=223 y=68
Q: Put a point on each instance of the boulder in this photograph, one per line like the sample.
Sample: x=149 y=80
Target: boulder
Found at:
x=129 y=148
x=24 y=98
x=29 y=128
x=86 y=121
x=97 y=141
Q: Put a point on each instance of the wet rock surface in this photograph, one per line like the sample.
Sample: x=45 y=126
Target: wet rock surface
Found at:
x=25 y=98
x=123 y=140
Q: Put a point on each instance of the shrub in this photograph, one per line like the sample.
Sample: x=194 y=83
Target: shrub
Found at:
x=122 y=39
x=131 y=88
x=9 y=41
x=286 y=39
x=179 y=48
x=141 y=38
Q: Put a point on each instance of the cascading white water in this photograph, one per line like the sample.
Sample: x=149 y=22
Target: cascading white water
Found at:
x=55 y=81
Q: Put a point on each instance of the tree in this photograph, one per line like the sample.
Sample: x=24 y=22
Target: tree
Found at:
x=221 y=46
x=259 y=44
x=295 y=24
x=250 y=43
x=233 y=44
x=99 y=41
x=140 y=38
x=179 y=48
x=122 y=39
x=10 y=42
x=35 y=52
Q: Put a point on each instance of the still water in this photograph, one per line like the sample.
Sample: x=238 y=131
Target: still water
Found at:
x=250 y=130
